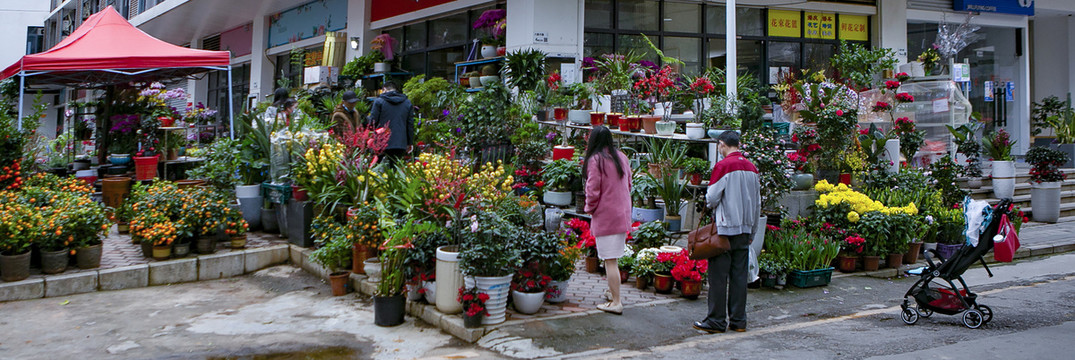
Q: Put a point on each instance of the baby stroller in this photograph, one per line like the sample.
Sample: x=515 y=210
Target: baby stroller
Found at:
x=936 y=291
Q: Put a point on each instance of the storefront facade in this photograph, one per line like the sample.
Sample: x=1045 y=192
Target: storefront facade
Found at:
x=773 y=37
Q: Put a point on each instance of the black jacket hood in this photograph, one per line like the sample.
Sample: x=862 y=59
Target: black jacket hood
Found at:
x=394 y=97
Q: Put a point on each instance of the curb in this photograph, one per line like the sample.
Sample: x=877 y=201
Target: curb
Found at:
x=202 y=267
x=1066 y=245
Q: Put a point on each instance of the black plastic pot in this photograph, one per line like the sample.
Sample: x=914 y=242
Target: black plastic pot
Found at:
x=54 y=262
x=389 y=310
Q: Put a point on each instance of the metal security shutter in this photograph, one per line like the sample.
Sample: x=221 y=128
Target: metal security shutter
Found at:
x=211 y=43
x=936 y=5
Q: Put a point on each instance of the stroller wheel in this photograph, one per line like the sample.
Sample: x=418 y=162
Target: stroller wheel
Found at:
x=926 y=313
x=973 y=318
x=909 y=315
x=987 y=313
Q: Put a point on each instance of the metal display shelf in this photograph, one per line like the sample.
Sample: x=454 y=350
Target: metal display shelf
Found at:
x=465 y=64
x=676 y=136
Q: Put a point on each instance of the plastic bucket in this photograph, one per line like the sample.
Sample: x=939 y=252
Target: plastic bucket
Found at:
x=498 y=288
x=145 y=167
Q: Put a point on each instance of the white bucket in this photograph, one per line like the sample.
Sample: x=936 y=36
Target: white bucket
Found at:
x=1003 y=179
x=247 y=191
x=449 y=279
x=498 y=288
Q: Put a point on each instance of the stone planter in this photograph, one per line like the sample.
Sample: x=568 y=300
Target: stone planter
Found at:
x=449 y=279
x=1003 y=179
x=88 y=257
x=1045 y=201
x=802 y=181
x=15 y=267
x=372 y=266
x=974 y=183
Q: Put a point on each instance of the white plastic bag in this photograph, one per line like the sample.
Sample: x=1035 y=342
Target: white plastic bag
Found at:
x=972 y=211
x=752 y=266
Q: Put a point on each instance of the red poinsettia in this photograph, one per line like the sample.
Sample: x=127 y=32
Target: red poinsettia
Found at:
x=882 y=106
x=904 y=97
x=902 y=76
x=892 y=85
x=686 y=269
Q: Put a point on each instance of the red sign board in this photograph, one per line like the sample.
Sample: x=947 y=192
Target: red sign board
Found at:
x=383 y=9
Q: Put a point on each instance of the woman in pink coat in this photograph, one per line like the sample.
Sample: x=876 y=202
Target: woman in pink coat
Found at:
x=608 y=201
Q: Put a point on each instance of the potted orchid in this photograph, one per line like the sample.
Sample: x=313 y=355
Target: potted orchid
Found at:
x=384 y=44
x=494 y=25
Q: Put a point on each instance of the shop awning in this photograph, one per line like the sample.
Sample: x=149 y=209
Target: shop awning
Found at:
x=106 y=49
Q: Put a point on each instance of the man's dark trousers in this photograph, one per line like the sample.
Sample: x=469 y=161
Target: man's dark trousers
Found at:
x=729 y=268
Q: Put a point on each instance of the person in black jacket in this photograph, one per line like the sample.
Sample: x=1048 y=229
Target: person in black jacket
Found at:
x=394 y=110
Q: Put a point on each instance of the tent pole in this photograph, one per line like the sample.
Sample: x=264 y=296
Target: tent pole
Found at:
x=231 y=106
x=22 y=89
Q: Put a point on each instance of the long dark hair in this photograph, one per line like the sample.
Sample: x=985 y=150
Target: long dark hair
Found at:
x=600 y=144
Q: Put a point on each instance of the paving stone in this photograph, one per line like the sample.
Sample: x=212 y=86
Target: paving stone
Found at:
x=217 y=266
x=32 y=288
x=257 y=259
x=67 y=284
x=127 y=277
x=173 y=272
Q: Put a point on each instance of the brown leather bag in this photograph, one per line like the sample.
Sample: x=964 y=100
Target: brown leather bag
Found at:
x=704 y=243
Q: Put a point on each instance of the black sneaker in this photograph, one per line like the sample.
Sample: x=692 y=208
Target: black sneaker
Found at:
x=712 y=330
x=737 y=329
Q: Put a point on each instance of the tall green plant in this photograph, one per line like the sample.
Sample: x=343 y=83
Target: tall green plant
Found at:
x=394 y=254
x=858 y=65
x=670 y=188
x=525 y=69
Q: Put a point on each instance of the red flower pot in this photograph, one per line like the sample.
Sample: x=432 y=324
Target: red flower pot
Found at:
x=847 y=263
x=662 y=283
x=166 y=121
x=845 y=179
x=597 y=118
x=613 y=120
x=559 y=114
x=563 y=152
x=299 y=193
x=696 y=179
x=691 y=288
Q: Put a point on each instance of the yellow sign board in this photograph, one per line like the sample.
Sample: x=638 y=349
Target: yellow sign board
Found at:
x=785 y=23
x=820 y=26
x=854 y=27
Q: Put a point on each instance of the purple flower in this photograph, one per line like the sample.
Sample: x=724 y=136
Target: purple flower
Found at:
x=489 y=18
x=446 y=113
x=648 y=64
x=588 y=63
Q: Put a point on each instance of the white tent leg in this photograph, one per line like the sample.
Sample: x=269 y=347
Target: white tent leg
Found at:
x=231 y=107
x=22 y=89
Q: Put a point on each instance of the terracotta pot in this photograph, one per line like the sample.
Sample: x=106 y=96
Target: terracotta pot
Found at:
x=649 y=124
x=662 y=283
x=847 y=263
x=591 y=264
x=691 y=289
x=641 y=282
x=359 y=253
x=114 y=190
x=894 y=260
x=871 y=263
x=338 y=280
x=696 y=179
x=624 y=274
x=911 y=256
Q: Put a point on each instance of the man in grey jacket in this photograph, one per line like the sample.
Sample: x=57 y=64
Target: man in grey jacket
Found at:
x=394 y=110
x=735 y=197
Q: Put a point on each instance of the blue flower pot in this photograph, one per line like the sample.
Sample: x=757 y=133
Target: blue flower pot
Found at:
x=119 y=159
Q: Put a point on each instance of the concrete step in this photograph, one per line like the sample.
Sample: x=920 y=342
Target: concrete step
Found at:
x=1067 y=210
x=1023 y=201
x=1021 y=188
x=1021 y=176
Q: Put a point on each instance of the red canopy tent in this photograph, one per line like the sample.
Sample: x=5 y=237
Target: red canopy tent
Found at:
x=108 y=50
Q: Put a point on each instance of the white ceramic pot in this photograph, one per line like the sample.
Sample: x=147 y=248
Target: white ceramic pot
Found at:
x=380 y=67
x=488 y=51
x=557 y=198
x=475 y=82
x=670 y=249
x=430 y=288
x=556 y=292
x=372 y=266
x=449 y=279
x=1045 y=201
x=489 y=80
x=579 y=116
x=527 y=303
x=695 y=131
x=247 y=191
x=1003 y=179
x=666 y=128
x=892 y=153
x=497 y=287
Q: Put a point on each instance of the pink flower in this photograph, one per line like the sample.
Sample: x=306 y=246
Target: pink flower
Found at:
x=839 y=113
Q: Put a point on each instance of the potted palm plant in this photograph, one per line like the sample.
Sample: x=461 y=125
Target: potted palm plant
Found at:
x=1045 y=180
x=999 y=147
x=670 y=188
